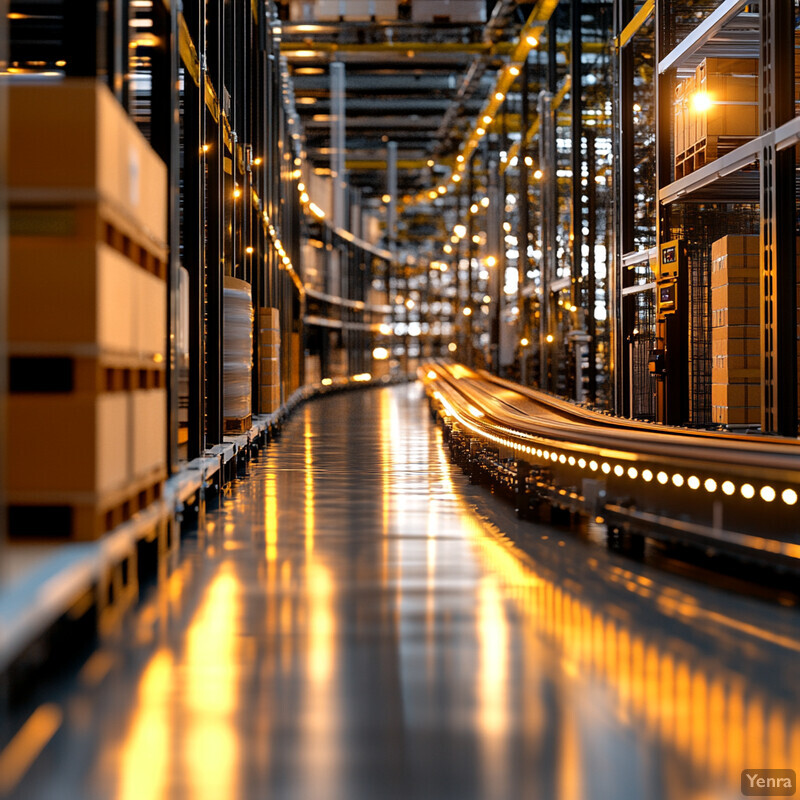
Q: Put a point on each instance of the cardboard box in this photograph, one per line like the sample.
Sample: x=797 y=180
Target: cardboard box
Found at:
x=270 y=371
x=731 y=85
x=270 y=397
x=732 y=363
x=294 y=362
x=725 y=317
x=77 y=446
x=723 y=415
x=150 y=316
x=269 y=319
x=728 y=245
x=735 y=395
x=679 y=117
x=73 y=143
x=269 y=338
x=269 y=350
x=70 y=293
x=735 y=295
x=147 y=410
x=728 y=346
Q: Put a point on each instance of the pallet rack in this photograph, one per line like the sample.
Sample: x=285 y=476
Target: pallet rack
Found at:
x=747 y=189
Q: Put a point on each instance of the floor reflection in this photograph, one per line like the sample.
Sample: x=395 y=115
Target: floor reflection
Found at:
x=357 y=621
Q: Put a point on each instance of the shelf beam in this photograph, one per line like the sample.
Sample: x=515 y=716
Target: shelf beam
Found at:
x=705 y=31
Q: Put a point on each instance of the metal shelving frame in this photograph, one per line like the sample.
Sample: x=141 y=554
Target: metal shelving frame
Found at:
x=731 y=29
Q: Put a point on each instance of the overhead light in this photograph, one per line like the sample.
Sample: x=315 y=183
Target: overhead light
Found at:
x=514 y=71
x=531 y=41
x=701 y=101
x=304 y=53
x=487 y=120
x=499 y=96
x=485 y=202
x=460 y=231
x=316 y=211
x=386 y=198
x=480 y=131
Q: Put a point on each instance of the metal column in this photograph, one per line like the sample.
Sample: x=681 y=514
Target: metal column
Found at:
x=523 y=234
x=778 y=232
x=193 y=233
x=576 y=103
x=166 y=142
x=494 y=243
x=591 y=288
x=338 y=177
x=549 y=203
x=619 y=277
x=391 y=190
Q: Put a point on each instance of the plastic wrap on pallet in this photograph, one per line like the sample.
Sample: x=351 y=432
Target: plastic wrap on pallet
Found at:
x=237 y=348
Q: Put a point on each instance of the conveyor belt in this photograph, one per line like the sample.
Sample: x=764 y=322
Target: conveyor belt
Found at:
x=708 y=486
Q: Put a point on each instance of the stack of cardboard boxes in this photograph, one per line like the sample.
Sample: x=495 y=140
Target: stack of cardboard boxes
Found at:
x=269 y=346
x=715 y=110
x=735 y=331
x=86 y=427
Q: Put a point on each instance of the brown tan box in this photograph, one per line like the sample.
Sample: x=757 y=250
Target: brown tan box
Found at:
x=735 y=377
x=735 y=275
x=73 y=143
x=679 y=116
x=147 y=409
x=746 y=332
x=727 y=346
x=269 y=338
x=269 y=319
x=689 y=113
x=86 y=441
x=83 y=293
x=735 y=362
x=735 y=295
x=270 y=397
x=731 y=244
x=270 y=371
x=732 y=87
x=748 y=415
x=295 y=362
x=724 y=317
x=735 y=395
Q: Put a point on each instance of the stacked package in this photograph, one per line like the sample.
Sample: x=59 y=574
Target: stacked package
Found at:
x=715 y=111
x=269 y=346
x=86 y=427
x=735 y=331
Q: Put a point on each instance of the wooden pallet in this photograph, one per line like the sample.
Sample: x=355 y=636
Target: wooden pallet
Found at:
x=59 y=374
x=48 y=518
x=238 y=424
x=704 y=152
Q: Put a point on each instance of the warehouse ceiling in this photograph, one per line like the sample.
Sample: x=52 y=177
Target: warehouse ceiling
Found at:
x=418 y=83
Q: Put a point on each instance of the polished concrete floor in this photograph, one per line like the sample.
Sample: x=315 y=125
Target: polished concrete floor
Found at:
x=355 y=623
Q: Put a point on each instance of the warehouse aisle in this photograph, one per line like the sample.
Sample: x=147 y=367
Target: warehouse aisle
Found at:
x=349 y=626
